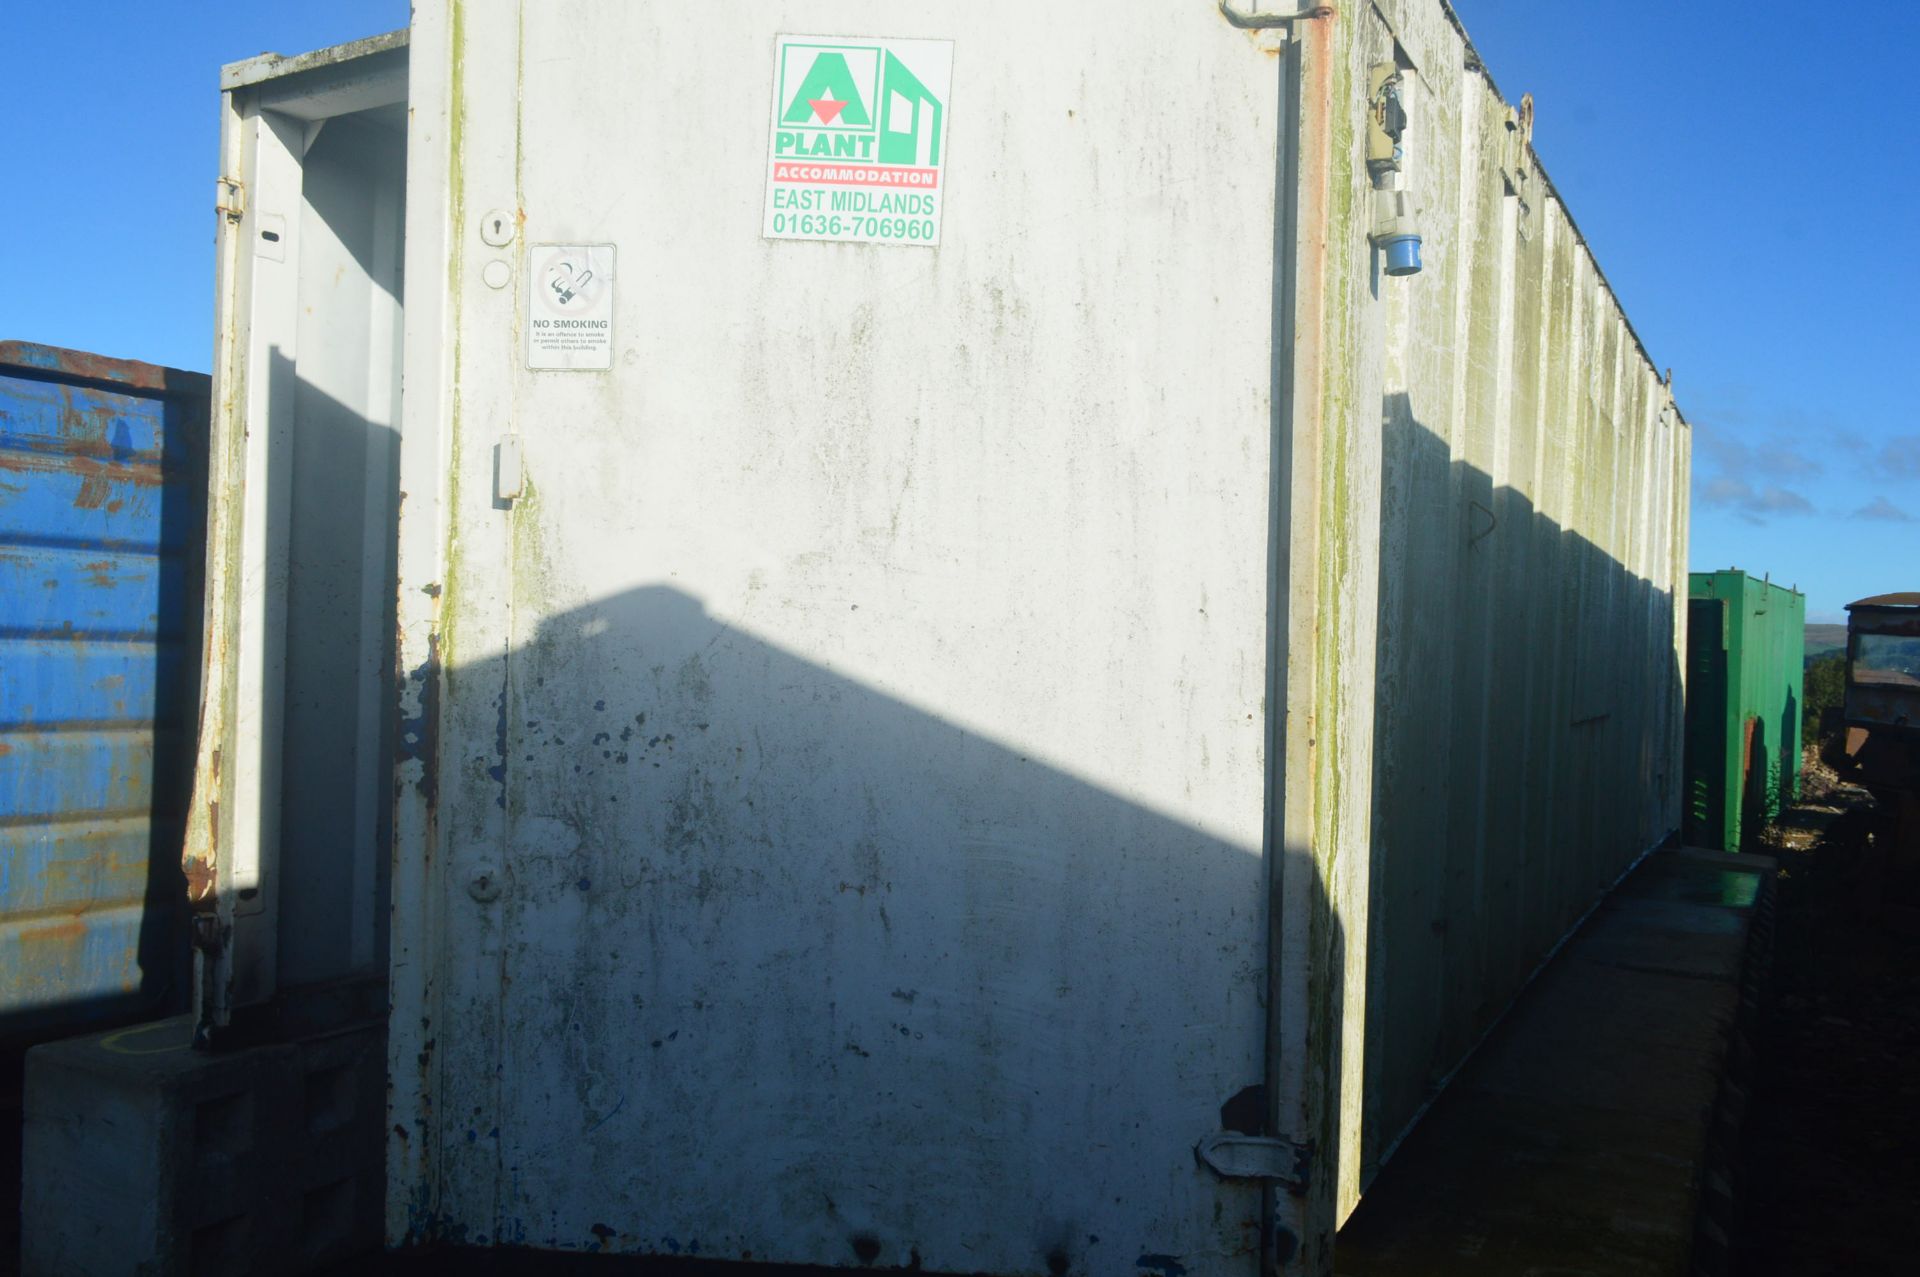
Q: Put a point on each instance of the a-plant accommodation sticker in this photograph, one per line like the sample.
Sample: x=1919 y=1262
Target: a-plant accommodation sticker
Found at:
x=858 y=147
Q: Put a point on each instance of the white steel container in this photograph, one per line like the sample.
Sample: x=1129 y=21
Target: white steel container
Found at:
x=980 y=688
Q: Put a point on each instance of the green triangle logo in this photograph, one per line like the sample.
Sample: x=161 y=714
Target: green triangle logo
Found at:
x=828 y=95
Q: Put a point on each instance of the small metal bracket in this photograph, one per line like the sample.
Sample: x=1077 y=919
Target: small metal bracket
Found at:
x=1234 y=1156
x=1261 y=21
x=231 y=200
x=1386 y=120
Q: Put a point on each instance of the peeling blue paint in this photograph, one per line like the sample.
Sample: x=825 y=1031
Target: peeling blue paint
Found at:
x=418 y=737
x=102 y=533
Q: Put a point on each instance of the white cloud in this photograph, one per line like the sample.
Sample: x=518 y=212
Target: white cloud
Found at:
x=1754 y=504
x=1900 y=455
x=1883 y=509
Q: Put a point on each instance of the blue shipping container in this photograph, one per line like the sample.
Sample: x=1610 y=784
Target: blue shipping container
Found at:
x=102 y=539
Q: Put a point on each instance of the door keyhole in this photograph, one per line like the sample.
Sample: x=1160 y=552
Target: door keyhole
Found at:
x=497 y=228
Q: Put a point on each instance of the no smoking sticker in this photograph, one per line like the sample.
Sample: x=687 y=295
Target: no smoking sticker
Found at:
x=570 y=314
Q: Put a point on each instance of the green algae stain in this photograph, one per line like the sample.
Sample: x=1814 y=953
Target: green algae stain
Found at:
x=457 y=202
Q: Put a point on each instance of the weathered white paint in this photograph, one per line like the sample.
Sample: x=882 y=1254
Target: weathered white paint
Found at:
x=840 y=799
x=863 y=706
x=286 y=845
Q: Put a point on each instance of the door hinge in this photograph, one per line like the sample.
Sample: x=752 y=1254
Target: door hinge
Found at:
x=1231 y=1155
x=231 y=199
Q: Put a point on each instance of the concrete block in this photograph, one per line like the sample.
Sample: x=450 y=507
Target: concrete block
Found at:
x=337 y=1165
x=143 y=1156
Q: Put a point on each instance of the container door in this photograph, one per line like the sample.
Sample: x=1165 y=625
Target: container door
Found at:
x=843 y=844
x=288 y=846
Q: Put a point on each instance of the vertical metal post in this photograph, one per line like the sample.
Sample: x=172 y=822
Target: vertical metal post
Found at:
x=1297 y=1219
x=205 y=849
x=1307 y=956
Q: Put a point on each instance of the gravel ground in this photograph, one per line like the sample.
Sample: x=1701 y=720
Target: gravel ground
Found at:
x=1830 y=1170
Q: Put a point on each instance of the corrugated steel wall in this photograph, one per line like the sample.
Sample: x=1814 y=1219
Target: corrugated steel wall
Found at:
x=1746 y=658
x=102 y=515
x=1499 y=478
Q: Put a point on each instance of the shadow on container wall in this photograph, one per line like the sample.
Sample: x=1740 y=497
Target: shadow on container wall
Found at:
x=341 y=492
x=1527 y=733
x=749 y=901
x=780 y=963
x=752 y=902
x=732 y=872
x=783 y=965
x=335 y=483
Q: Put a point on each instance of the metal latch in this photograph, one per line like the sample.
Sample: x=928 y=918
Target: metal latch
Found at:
x=1259 y=21
x=231 y=199
x=509 y=471
x=1231 y=1155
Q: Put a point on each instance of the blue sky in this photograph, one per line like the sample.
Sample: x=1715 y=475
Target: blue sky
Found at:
x=1744 y=170
x=112 y=117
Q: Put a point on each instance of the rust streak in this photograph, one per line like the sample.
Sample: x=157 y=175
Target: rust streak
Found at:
x=91 y=459
x=200 y=882
x=92 y=494
x=69 y=932
x=82 y=364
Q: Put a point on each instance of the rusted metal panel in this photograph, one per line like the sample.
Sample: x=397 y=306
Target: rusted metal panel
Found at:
x=102 y=474
x=78 y=367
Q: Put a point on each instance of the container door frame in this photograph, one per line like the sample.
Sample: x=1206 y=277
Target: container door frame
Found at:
x=271 y=109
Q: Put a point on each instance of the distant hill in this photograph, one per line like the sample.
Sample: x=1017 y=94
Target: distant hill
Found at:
x=1825 y=639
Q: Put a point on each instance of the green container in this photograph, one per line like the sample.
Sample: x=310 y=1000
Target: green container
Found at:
x=1746 y=647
